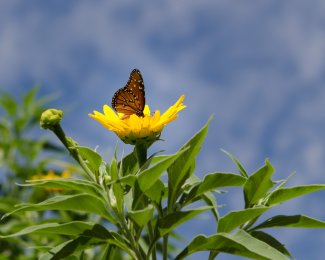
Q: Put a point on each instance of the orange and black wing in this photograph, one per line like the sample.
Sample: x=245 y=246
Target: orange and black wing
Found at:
x=131 y=99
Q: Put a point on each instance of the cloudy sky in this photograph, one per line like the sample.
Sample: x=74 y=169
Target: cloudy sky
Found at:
x=257 y=66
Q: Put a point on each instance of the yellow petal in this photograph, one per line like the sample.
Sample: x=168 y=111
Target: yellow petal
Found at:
x=146 y=110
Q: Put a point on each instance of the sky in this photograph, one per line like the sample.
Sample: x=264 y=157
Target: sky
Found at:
x=256 y=66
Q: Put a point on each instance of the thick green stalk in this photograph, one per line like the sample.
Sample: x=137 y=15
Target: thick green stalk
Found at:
x=165 y=247
x=58 y=131
x=141 y=152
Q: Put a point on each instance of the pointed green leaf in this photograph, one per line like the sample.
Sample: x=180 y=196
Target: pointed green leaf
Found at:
x=184 y=166
x=114 y=170
x=156 y=192
x=148 y=177
x=213 y=181
x=236 y=218
x=117 y=188
x=241 y=169
x=239 y=243
x=73 y=228
x=128 y=180
x=92 y=158
x=78 y=202
x=210 y=200
x=84 y=186
x=258 y=184
x=158 y=158
x=143 y=216
x=129 y=164
x=170 y=221
x=270 y=240
x=284 y=194
x=8 y=204
x=9 y=104
x=88 y=239
x=50 y=254
x=220 y=179
x=295 y=221
x=28 y=99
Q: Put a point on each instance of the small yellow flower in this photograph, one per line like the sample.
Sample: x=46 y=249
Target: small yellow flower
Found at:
x=50 y=176
x=133 y=128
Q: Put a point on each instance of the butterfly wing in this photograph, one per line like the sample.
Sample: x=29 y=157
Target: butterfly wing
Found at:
x=130 y=99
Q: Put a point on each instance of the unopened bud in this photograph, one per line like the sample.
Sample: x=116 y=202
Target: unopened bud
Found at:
x=112 y=198
x=107 y=179
x=50 y=118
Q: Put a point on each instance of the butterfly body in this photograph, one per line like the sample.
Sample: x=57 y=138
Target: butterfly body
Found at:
x=130 y=99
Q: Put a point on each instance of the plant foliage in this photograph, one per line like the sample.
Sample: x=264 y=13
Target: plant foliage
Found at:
x=125 y=209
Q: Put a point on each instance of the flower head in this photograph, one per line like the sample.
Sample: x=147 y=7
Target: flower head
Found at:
x=132 y=129
x=51 y=118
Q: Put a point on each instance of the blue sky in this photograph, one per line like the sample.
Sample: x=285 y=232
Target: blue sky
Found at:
x=258 y=66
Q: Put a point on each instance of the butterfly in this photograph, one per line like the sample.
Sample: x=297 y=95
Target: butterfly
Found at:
x=130 y=99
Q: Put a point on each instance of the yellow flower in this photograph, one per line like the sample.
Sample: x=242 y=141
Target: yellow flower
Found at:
x=50 y=176
x=133 y=128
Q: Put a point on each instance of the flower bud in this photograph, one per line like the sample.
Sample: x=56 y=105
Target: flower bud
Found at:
x=112 y=198
x=50 y=118
x=107 y=179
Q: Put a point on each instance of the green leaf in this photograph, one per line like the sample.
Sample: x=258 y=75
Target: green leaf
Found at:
x=117 y=188
x=239 y=243
x=84 y=186
x=129 y=164
x=9 y=104
x=213 y=181
x=168 y=223
x=128 y=180
x=285 y=194
x=236 y=218
x=51 y=254
x=258 y=184
x=158 y=158
x=156 y=192
x=7 y=204
x=150 y=160
x=88 y=239
x=78 y=202
x=270 y=240
x=28 y=99
x=114 y=170
x=143 y=216
x=92 y=158
x=148 y=177
x=295 y=221
x=73 y=228
x=210 y=200
x=241 y=169
x=184 y=166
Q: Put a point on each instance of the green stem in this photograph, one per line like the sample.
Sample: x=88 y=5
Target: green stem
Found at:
x=155 y=237
x=165 y=247
x=58 y=131
x=151 y=238
x=141 y=153
x=128 y=234
x=139 y=200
